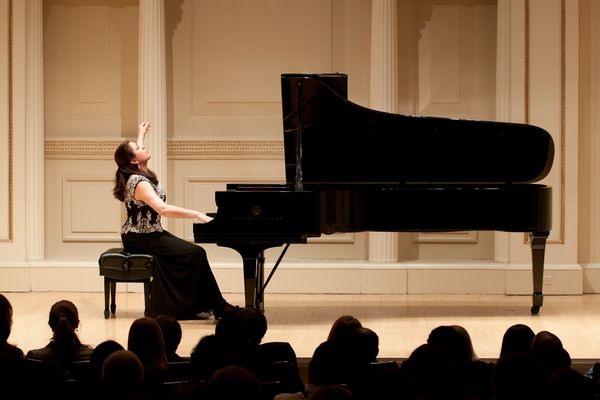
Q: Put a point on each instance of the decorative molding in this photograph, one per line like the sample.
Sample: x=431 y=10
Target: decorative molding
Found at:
x=176 y=149
x=9 y=238
x=203 y=149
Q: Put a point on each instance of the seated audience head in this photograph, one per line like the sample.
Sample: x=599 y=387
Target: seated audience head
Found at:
x=331 y=392
x=64 y=321
x=548 y=349
x=341 y=328
x=467 y=344
x=429 y=373
x=6 y=318
x=9 y=353
x=122 y=374
x=450 y=341
x=234 y=335
x=207 y=357
x=362 y=346
x=100 y=353
x=146 y=341
x=257 y=324
x=517 y=339
x=234 y=382
x=172 y=333
x=325 y=366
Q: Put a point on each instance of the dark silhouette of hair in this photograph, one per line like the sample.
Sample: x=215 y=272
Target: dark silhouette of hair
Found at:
x=467 y=344
x=123 y=157
x=10 y=354
x=206 y=358
x=451 y=342
x=146 y=341
x=548 y=350
x=517 y=339
x=257 y=323
x=122 y=374
x=233 y=333
x=234 y=382
x=171 y=330
x=341 y=328
x=64 y=320
x=99 y=355
x=362 y=346
x=429 y=373
x=331 y=392
x=6 y=313
x=324 y=367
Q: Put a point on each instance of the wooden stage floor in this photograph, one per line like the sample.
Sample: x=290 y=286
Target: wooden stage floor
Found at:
x=402 y=322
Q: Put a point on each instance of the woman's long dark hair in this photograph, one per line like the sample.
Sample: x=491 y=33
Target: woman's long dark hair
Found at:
x=63 y=320
x=123 y=156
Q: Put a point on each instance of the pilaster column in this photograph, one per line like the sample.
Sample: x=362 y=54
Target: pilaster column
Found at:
x=34 y=130
x=383 y=246
x=152 y=82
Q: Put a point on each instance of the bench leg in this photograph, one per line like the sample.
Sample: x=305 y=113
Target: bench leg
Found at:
x=146 y=296
x=106 y=294
x=113 y=295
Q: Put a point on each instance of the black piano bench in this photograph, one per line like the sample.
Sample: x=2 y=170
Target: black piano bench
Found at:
x=118 y=266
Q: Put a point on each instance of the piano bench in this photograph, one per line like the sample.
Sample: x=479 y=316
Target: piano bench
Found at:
x=118 y=266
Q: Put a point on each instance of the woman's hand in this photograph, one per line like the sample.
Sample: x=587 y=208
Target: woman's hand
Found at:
x=203 y=218
x=144 y=128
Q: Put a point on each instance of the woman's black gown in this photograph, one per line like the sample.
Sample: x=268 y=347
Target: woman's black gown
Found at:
x=183 y=284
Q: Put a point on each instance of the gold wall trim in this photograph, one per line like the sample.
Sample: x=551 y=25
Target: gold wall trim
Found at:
x=563 y=68
x=187 y=149
x=176 y=149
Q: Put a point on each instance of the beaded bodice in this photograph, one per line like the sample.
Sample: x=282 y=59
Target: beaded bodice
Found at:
x=141 y=218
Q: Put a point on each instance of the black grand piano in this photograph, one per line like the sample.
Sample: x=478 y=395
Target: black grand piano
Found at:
x=349 y=169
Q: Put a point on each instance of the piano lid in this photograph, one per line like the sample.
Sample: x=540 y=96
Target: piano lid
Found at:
x=330 y=141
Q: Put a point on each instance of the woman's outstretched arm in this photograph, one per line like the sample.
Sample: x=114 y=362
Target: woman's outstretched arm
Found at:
x=145 y=192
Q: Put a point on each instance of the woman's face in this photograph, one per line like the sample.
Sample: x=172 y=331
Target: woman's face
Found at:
x=140 y=154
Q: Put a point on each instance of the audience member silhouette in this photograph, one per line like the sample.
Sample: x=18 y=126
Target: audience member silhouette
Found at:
x=518 y=376
x=517 y=339
x=341 y=328
x=65 y=347
x=227 y=364
x=428 y=372
x=9 y=353
x=548 y=350
x=331 y=392
x=359 y=372
x=11 y=356
x=122 y=376
x=146 y=341
x=99 y=355
x=233 y=333
x=271 y=361
x=233 y=382
x=568 y=383
x=172 y=333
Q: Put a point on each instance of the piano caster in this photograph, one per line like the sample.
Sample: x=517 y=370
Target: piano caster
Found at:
x=535 y=310
x=538 y=299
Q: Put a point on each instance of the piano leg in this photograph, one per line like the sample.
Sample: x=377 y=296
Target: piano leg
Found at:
x=254 y=264
x=538 y=248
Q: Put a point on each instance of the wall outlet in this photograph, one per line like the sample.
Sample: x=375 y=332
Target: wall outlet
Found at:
x=547 y=280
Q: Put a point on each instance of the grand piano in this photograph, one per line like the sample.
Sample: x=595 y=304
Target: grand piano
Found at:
x=349 y=169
